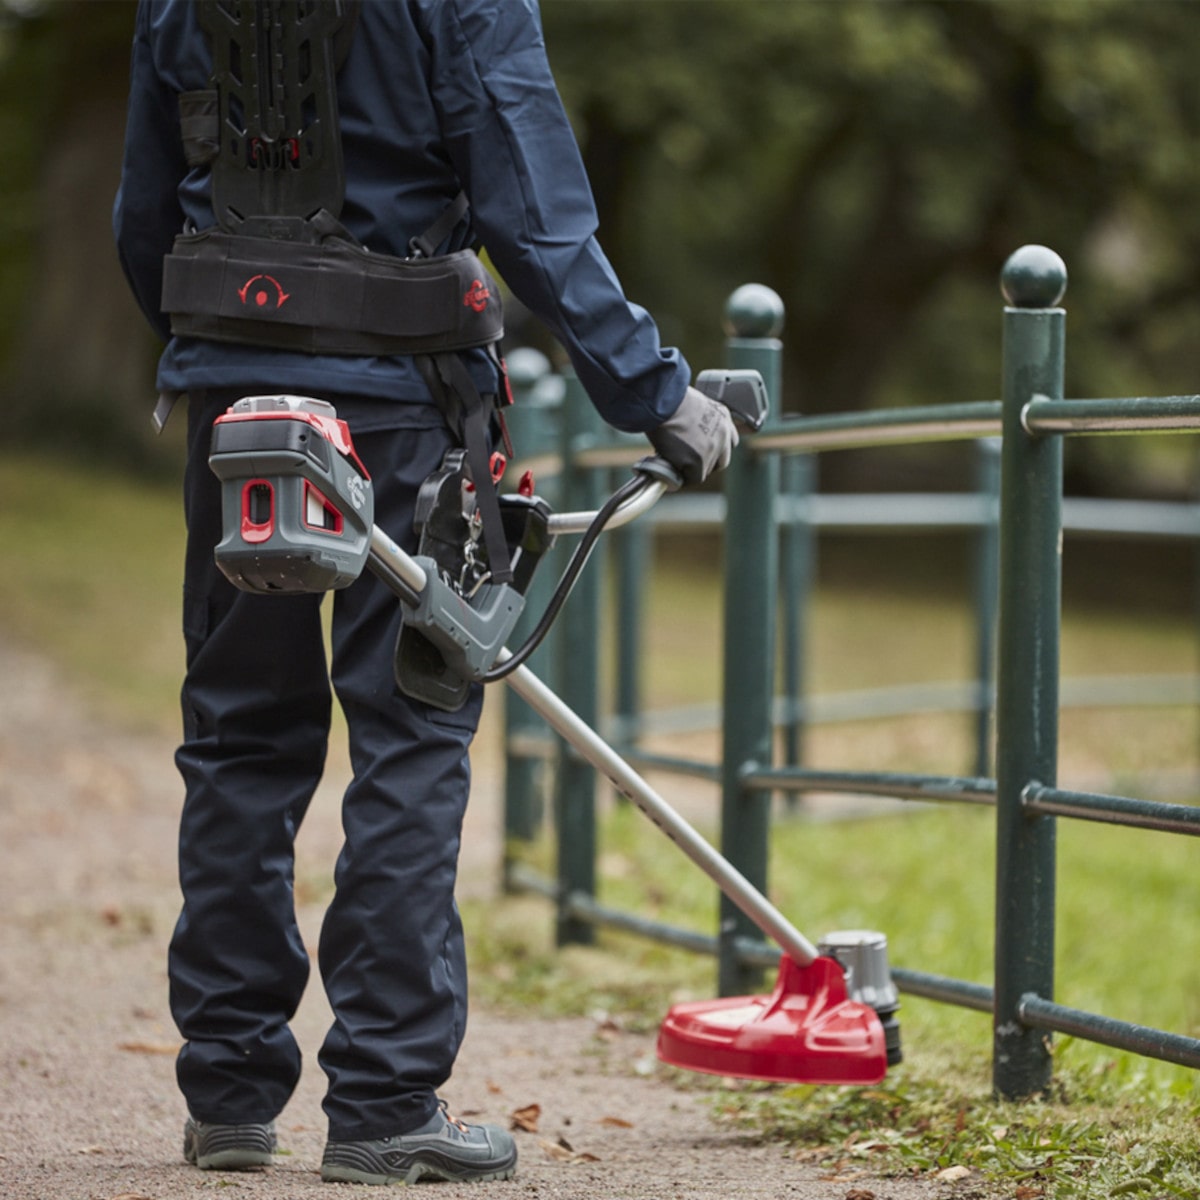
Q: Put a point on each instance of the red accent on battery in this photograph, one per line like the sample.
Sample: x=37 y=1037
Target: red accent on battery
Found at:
x=332 y=429
x=496 y=465
x=526 y=486
x=258 y=511
x=330 y=519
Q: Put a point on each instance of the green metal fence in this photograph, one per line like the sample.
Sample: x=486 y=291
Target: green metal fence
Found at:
x=1019 y=563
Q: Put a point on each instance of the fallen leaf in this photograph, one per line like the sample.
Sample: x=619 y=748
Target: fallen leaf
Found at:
x=171 y=1048
x=562 y=1151
x=90 y=1150
x=494 y=1088
x=130 y=1196
x=1025 y=1192
x=616 y=1122
x=605 y=1022
x=999 y=1132
x=526 y=1118
x=812 y=1153
x=860 y=1194
x=951 y=1174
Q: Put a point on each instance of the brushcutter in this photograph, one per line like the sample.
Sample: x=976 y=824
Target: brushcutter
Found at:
x=298 y=517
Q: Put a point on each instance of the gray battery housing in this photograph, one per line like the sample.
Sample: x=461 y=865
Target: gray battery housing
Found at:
x=297 y=507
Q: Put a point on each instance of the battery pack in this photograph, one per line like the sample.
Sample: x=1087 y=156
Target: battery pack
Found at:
x=297 y=506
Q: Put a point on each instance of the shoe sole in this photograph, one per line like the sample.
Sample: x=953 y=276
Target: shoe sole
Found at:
x=415 y=1172
x=230 y=1157
x=232 y=1160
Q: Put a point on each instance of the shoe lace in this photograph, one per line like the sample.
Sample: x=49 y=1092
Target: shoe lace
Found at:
x=461 y=1126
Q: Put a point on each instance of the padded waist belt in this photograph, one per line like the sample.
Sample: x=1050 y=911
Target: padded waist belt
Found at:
x=330 y=297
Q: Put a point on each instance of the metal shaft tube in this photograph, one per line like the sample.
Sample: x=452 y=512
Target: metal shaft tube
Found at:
x=406 y=578
x=400 y=571
x=631 y=785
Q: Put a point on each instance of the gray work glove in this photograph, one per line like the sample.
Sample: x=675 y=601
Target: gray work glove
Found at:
x=698 y=438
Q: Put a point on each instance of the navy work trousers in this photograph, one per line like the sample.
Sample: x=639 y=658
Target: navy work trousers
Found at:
x=256 y=708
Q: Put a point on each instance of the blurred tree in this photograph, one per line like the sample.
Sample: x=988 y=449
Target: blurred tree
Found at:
x=876 y=163
x=873 y=162
x=79 y=362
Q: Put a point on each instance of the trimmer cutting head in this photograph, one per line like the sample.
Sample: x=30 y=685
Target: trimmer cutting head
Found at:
x=807 y=1031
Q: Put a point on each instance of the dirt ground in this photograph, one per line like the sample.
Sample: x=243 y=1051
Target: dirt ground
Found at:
x=88 y=1104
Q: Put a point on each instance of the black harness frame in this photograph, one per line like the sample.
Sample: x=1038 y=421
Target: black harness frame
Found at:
x=279 y=270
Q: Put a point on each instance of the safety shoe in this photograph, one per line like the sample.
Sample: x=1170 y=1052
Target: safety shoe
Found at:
x=228 y=1147
x=443 y=1148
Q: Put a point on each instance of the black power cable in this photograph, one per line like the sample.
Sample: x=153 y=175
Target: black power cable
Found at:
x=572 y=572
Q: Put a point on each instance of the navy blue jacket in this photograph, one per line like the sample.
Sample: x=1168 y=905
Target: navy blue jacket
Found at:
x=436 y=96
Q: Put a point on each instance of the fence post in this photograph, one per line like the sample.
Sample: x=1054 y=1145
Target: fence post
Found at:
x=533 y=421
x=630 y=549
x=754 y=318
x=987 y=554
x=797 y=560
x=576 y=676
x=1033 y=281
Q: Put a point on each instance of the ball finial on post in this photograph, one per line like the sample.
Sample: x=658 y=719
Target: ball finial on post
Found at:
x=1033 y=277
x=754 y=311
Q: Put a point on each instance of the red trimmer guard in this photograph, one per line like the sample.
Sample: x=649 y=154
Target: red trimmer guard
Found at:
x=806 y=1031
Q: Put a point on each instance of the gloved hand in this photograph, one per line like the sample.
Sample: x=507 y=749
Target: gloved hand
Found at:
x=697 y=438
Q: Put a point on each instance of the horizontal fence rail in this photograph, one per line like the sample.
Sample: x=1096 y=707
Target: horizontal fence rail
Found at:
x=1143 y=414
x=1112 y=810
x=1018 y=516
x=940 y=422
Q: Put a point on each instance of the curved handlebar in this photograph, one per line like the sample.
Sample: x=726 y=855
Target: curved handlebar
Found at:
x=655 y=484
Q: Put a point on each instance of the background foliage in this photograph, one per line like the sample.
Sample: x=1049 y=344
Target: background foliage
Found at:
x=873 y=162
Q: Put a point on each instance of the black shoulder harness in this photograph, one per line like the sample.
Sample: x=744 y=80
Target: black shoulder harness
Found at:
x=279 y=156
x=278 y=269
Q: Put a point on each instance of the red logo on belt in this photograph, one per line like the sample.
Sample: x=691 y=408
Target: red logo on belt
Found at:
x=477 y=296
x=261 y=296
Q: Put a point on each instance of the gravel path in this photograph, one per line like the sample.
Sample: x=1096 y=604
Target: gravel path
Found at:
x=88 y=1104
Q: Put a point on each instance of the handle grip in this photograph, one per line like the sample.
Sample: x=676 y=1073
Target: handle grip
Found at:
x=743 y=392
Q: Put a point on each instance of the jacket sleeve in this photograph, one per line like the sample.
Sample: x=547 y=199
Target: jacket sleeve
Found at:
x=510 y=141
x=147 y=213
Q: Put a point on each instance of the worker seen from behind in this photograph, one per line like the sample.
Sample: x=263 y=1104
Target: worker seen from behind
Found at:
x=302 y=190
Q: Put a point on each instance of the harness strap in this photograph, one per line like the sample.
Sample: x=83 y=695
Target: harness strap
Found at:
x=468 y=415
x=425 y=245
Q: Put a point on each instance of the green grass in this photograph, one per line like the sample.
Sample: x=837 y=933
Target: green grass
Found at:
x=93 y=570
x=93 y=564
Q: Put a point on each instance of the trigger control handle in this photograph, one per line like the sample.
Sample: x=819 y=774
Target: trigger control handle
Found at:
x=743 y=392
